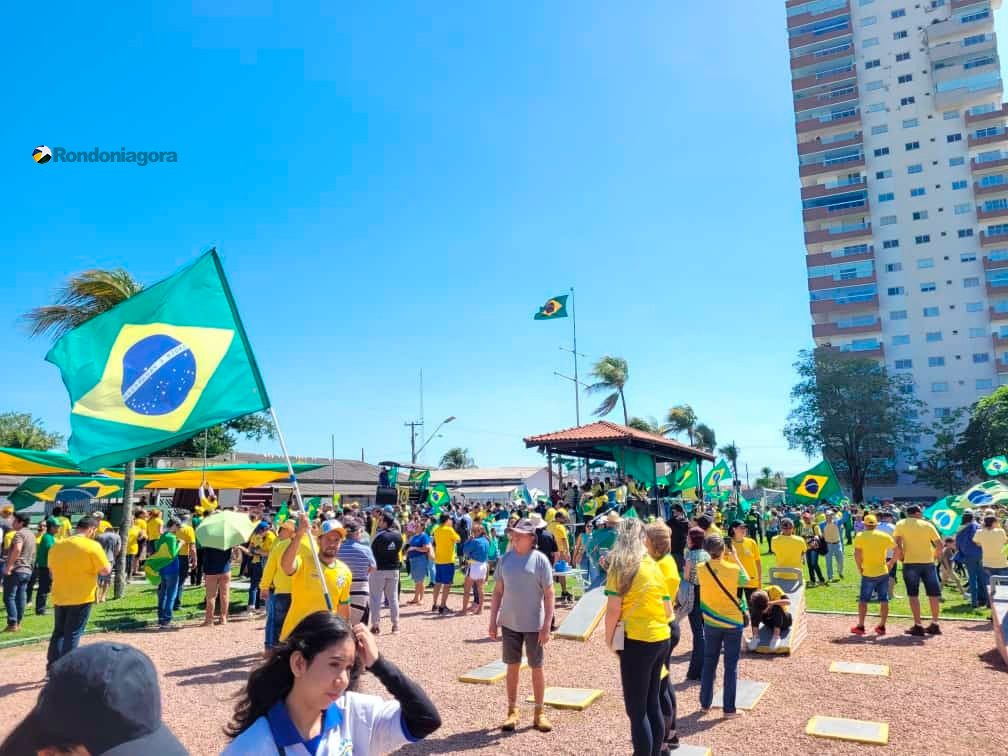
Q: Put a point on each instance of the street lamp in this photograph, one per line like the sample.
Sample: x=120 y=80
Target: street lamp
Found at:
x=444 y=422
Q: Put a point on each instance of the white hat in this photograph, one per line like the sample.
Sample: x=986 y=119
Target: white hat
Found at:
x=98 y=515
x=537 y=521
x=612 y=518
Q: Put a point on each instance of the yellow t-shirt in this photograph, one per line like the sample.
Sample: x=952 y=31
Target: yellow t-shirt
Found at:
x=65 y=530
x=748 y=553
x=306 y=591
x=104 y=525
x=186 y=536
x=559 y=533
x=992 y=541
x=643 y=611
x=919 y=540
x=716 y=606
x=154 y=528
x=445 y=538
x=713 y=530
x=75 y=564
x=789 y=550
x=670 y=571
x=7 y=540
x=273 y=573
x=261 y=544
x=873 y=545
x=132 y=543
x=774 y=593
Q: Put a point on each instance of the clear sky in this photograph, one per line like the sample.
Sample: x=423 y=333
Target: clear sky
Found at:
x=400 y=188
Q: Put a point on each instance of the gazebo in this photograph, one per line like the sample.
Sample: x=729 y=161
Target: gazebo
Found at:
x=635 y=452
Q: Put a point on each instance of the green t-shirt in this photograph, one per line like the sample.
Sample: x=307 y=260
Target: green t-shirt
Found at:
x=42 y=552
x=602 y=539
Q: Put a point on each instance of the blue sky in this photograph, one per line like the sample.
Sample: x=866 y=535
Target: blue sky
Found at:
x=399 y=189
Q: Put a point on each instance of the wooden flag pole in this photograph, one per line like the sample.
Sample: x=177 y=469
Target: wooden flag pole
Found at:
x=301 y=508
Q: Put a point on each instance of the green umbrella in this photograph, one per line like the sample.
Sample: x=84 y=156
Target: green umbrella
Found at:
x=224 y=530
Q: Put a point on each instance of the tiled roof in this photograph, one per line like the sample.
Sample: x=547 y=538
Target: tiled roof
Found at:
x=603 y=430
x=475 y=474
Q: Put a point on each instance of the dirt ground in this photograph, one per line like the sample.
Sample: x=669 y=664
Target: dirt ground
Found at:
x=945 y=695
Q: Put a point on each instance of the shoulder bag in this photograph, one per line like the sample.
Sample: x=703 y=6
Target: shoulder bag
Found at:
x=745 y=618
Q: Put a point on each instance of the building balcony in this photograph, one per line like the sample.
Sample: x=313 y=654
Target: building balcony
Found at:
x=802 y=40
x=818 y=80
x=801 y=19
x=957 y=4
x=831 y=306
x=827 y=235
x=989 y=264
x=1002 y=366
x=825 y=190
x=994 y=115
x=953 y=28
x=998 y=315
x=815 y=124
x=817 y=145
x=843 y=52
x=836 y=211
x=998 y=212
x=841 y=96
x=964 y=95
x=988 y=166
x=997 y=291
x=827 y=258
x=822 y=330
x=829 y=282
x=865 y=354
x=979 y=188
x=999 y=341
x=815 y=169
x=973 y=141
x=988 y=241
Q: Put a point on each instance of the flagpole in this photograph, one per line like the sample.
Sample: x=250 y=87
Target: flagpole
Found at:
x=301 y=508
x=577 y=385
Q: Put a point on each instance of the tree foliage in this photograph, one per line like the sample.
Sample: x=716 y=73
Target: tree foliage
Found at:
x=19 y=430
x=681 y=419
x=853 y=412
x=731 y=452
x=648 y=425
x=940 y=466
x=223 y=438
x=456 y=458
x=986 y=433
x=611 y=375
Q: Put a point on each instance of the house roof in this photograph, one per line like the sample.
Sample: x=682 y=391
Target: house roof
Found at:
x=584 y=438
x=474 y=475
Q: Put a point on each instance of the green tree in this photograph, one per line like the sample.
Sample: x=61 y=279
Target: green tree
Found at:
x=765 y=480
x=986 y=433
x=731 y=452
x=704 y=436
x=456 y=458
x=223 y=438
x=939 y=466
x=81 y=298
x=853 y=412
x=649 y=425
x=611 y=374
x=681 y=419
x=19 y=430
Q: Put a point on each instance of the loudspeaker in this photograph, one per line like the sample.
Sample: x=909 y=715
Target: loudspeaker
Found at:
x=386 y=496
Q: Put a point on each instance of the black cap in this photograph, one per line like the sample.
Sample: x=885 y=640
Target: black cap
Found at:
x=103 y=696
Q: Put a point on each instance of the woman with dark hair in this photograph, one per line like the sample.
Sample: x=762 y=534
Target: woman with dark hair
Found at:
x=695 y=557
x=301 y=699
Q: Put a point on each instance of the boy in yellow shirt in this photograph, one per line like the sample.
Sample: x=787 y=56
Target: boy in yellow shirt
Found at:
x=788 y=547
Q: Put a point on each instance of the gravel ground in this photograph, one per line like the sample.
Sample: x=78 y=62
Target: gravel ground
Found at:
x=934 y=682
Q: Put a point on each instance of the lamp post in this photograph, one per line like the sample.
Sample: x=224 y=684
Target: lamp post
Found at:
x=416 y=453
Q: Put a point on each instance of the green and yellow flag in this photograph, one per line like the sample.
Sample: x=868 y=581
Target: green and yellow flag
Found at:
x=686 y=477
x=946 y=515
x=437 y=497
x=712 y=480
x=313 y=506
x=819 y=482
x=419 y=478
x=167 y=551
x=996 y=465
x=744 y=505
x=30 y=462
x=158 y=368
x=555 y=307
x=281 y=515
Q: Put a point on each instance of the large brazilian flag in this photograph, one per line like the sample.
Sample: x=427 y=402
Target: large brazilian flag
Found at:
x=158 y=368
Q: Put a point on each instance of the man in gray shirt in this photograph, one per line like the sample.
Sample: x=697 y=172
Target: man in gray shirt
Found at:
x=17 y=571
x=523 y=607
x=111 y=544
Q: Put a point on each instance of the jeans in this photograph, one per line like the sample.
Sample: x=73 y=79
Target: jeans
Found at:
x=977 y=582
x=16 y=596
x=596 y=576
x=183 y=573
x=68 y=627
x=640 y=672
x=731 y=637
x=42 y=591
x=814 y=571
x=770 y=535
x=277 y=606
x=255 y=575
x=384 y=583
x=166 y=591
x=835 y=552
x=696 y=624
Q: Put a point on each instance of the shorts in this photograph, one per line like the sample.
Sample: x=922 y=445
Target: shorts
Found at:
x=476 y=571
x=512 y=652
x=104 y=579
x=892 y=572
x=444 y=574
x=913 y=574
x=870 y=585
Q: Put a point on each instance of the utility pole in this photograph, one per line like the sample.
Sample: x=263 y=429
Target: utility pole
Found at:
x=413 y=425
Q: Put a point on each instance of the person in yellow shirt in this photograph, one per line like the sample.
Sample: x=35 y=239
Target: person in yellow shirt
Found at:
x=186 y=536
x=445 y=538
x=207 y=497
x=65 y=528
x=258 y=550
x=133 y=547
x=723 y=622
x=75 y=564
x=919 y=547
x=558 y=529
x=870 y=549
x=747 y=551
x=275 y=585
x=789 y=548
x=306 y=583
x=658 y=540
x=103 y=524
x=154 y=527
x=770 y=608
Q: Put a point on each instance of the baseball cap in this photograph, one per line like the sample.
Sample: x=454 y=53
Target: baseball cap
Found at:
x=328 y=526
x=913 y=509
x=870 y=519
x=262 y=525
x=98 y=515
x=525 y=526
x=103 y=696
x=7 y=508
x=388 y=509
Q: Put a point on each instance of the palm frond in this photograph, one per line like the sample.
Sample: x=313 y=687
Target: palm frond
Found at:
x=81 y=298
x=607 y=406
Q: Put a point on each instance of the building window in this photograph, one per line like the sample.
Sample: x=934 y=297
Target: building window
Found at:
x=903 y=364
x=963 y=233
x=898 y=315
x=953 y=138
x=869 y=20
x=963 y=208
x=908 y=100
x=909 y=123
x=979 y=357
x=915 y=168
x=869 y=42
x=886 y=197
x=925 y=262
x=876 y=130
x=871 y=86
x=984 y=383
x=942 y=411
x=900 y=57
x=887 y=220
x=876 y=107
x=970 y=283
x=922 y=239
x=948 y=115
x=917 y=191
x=896 y=291
x=939 y=387
x=900 y=34
x=967 y=257
x=884 y=174
x=960 y=184
x=893 y=267
x=930 y=312
x=976 y=333
x=890 y=244
x=936 y=361
x=881 y=151
x=914 y=145
x=898 y=13
x=953 y=162
x=901 y=340
x=905 y=78
x=920 y=215
x=872 y=63
x=933 y=336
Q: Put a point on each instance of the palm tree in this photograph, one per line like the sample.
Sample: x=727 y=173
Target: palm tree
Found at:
x=456 y=459
x=704 y=436
x=681 y=419
x=731 y=453
x=649 y=425
x=611 y=374
x=765 y=478
x=82 y=297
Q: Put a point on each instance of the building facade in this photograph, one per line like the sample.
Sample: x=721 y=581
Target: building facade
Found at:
x=903 y=163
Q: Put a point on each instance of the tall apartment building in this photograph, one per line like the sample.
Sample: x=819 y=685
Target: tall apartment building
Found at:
x=903 y=160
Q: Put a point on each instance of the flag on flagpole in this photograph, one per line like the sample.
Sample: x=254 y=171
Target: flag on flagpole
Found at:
x=686 y=477
x=521 y=495
x=555 y=307
x=946 y=515
x=437 y=497
x=996 y=465
x=744 y=505
x=419 y=478
x=280 y=516
x=990 y=493
x=819 y=482
x=712 y=480
x=158 y=368
x=313 y=506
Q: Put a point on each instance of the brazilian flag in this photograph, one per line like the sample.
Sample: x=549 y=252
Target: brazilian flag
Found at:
x=437 y=497
x=686 y=477
x=281 y=515
x=996 y=465
x=158 y=368
x=419 y=478
x=819 y=482
x=555 y=307
x=166 y=552
x=744 y=505
x=313 y=505
x=712 y=480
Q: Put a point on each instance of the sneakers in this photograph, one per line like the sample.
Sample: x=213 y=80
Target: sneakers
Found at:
x=916 y=630
x=775 y=644
x=541 y=723
x=857 y=630
x=752 y=644
x=511 y=722
x=395 y=629
x=933 y=629
x=879 y=629
x=375 y=630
